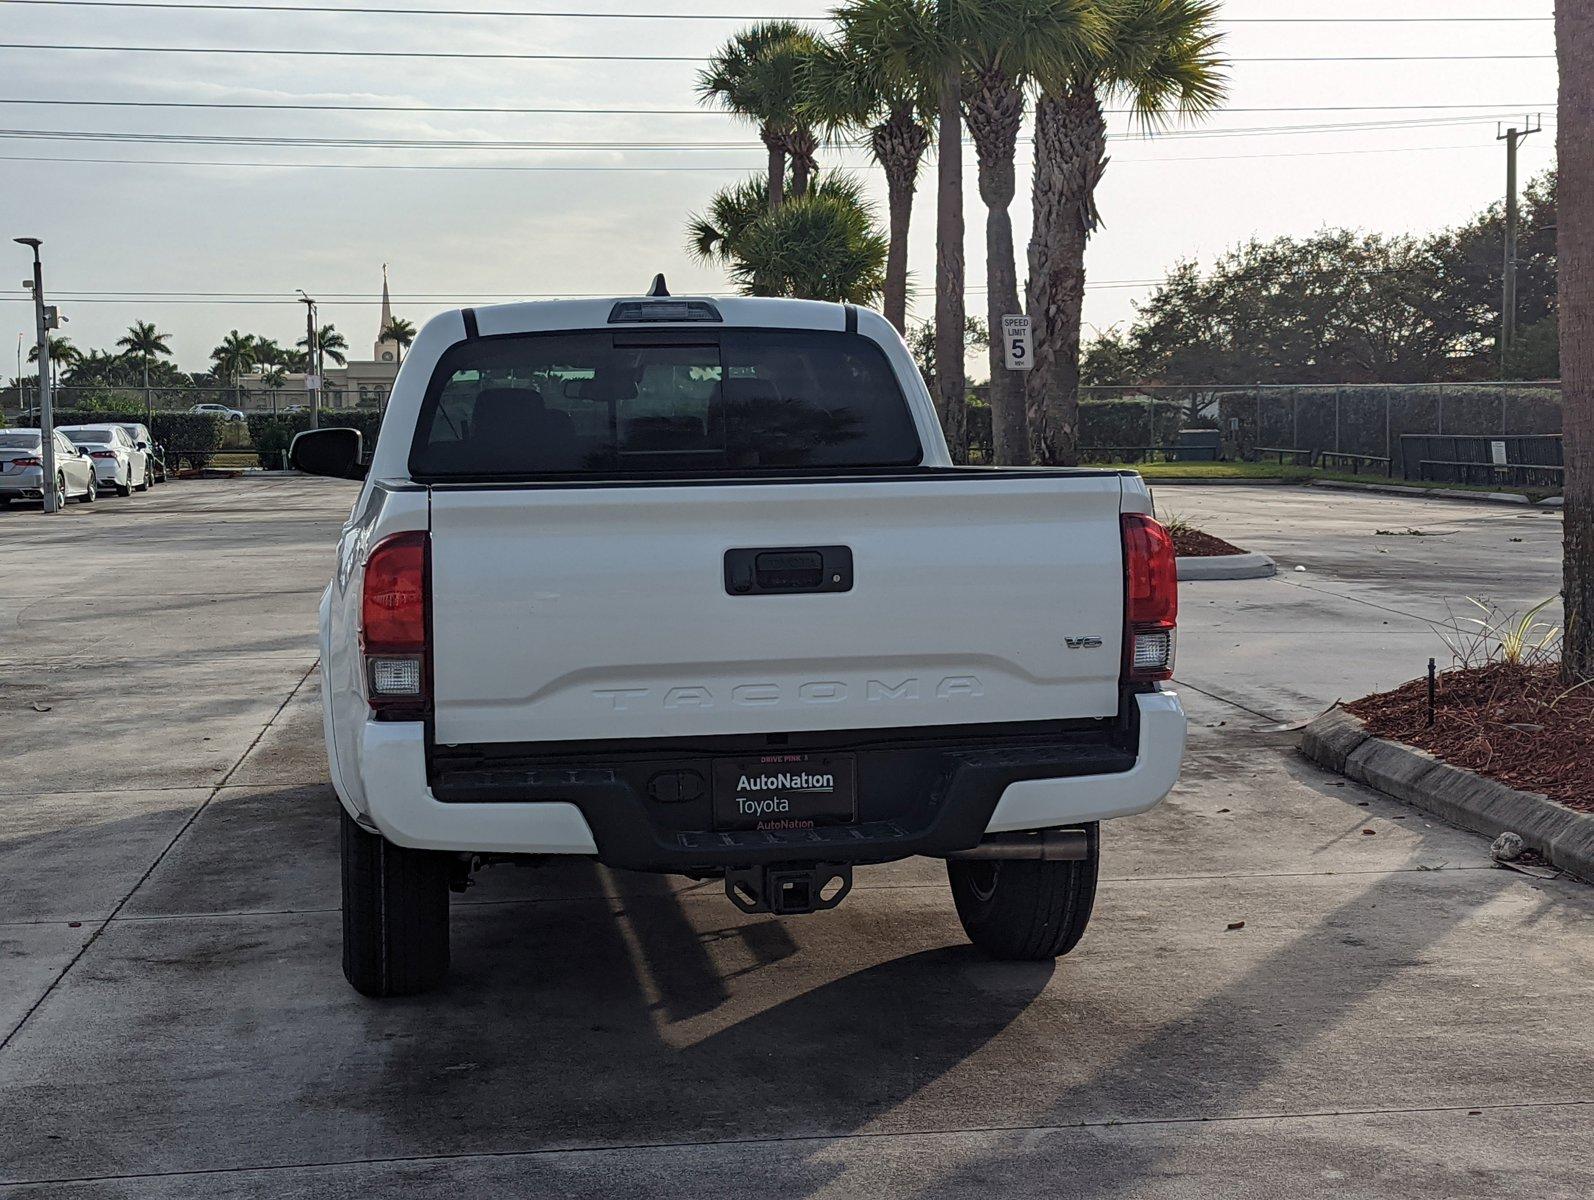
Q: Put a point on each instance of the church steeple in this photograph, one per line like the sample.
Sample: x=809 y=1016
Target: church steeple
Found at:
x=386 y=349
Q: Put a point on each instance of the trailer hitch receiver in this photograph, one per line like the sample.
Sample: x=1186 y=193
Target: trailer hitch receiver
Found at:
x=789 y=889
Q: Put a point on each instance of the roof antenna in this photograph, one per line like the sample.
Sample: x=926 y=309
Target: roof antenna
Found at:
x=658 y=288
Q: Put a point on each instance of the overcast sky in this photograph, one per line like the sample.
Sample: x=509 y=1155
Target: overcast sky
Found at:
x=457 y=236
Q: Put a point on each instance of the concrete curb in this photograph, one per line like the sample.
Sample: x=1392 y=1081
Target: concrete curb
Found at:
x=1339 y=741
x=1395 y=489
x=1227 y=566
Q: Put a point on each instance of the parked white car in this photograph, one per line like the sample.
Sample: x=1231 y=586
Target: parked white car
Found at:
x=693 y=586
x=22 y=468
x=144 y=440
x=219 y=410
x=118 y=462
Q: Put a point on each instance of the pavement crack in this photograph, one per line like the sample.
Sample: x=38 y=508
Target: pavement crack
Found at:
x=883 y=1135
x=215 y=791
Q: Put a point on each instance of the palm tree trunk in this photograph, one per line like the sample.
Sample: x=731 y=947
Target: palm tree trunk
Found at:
x=950 y=318
x=776 y=145
x=1574 y=36
x=802 y=145
x=995 y=112
x=898 y=145
x=1070 y=156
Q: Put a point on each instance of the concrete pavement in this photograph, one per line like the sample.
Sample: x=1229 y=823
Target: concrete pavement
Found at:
x=1396 y=1018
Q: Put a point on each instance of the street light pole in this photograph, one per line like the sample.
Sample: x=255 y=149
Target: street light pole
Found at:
x=312 y=360
x=52 y=500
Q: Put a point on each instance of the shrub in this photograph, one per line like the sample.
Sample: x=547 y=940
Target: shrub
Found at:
x=188 y=438
x=1129 y=422
x=271 y=434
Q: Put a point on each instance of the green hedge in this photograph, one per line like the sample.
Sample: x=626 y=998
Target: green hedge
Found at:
x=272 y=434
x=1137 y=422
x=188 y=438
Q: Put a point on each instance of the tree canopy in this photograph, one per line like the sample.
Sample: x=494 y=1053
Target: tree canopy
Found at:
x=1345 y=306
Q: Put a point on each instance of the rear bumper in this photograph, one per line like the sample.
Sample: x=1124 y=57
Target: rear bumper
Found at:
x=980 y=794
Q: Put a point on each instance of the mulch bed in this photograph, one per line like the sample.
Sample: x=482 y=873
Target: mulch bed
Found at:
x=1192 y=543
x=1518 y=724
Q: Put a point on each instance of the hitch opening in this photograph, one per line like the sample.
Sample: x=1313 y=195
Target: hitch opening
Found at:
x=789 y=890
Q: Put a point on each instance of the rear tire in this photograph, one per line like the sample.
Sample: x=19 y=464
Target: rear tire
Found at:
x=395 y=914
x=124 y=489
x=88 y=493
x=1028 y=911
x=149 y=478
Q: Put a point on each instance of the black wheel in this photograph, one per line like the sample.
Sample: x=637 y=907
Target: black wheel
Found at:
x=1018 y=909
x=395 y=914
x=88 y=493
x=60 y=491
x=149 y=478
x=125 y=489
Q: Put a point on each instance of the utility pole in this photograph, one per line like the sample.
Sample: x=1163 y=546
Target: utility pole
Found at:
x=1508 y=300
x=44 y=319
x=312 y=361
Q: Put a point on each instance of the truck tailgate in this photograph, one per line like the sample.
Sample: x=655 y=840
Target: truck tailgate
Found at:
x=580 y=613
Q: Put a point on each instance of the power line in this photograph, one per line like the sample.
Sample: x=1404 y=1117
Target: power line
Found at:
x=295 y=106
x=653 y=16
x=671 y=168
x=508 y=56
x=364 y=142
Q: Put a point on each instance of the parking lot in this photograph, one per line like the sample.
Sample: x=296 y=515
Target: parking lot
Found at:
x=1396 y=1017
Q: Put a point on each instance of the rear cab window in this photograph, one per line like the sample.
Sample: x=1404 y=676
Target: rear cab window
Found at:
x=664 y=402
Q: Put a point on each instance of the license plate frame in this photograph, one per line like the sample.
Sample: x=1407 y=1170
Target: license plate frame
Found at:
x=785 y=791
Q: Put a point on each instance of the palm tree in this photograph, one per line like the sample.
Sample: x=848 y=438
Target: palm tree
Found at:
x=926 y=50
x=822 y=246
x=855 y=87
x=268 y=351
x=1574 y=36
x=233 y=358
x=754 y=75
x=1161 y=56
x=275 y=378
x=1005 y=45
x=63 y=355
x=400 y=332
x=329 y=343
x=144 y=341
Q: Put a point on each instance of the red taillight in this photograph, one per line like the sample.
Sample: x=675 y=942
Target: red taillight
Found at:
x=393 y=626
x=1151 y=598
x=27 y=462
x=102 y=454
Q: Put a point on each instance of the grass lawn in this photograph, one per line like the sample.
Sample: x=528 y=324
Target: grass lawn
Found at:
x=1170 y=472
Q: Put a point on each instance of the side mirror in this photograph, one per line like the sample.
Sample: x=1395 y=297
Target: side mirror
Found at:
x=141 y=445
x=334 y=453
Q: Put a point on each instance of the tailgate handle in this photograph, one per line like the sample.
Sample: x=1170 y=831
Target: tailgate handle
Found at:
x=782 y=570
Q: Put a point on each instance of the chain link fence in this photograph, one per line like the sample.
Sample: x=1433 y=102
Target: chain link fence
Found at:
x=1347 y=426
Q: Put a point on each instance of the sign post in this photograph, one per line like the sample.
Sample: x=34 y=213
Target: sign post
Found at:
x=1018 y=342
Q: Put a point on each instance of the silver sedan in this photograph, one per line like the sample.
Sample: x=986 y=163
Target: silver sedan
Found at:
x=22 y=468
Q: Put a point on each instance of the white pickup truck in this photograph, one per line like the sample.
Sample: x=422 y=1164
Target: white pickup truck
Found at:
x=691 y=585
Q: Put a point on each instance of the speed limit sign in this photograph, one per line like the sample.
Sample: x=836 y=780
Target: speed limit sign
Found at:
x=1018 y=342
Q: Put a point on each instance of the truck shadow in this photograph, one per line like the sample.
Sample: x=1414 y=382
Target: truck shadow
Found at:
x=609 y=1020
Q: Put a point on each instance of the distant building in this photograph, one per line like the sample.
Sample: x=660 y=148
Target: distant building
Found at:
x=360 y=383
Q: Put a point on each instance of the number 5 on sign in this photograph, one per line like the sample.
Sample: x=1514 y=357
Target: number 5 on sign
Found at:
x=1018 y=342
